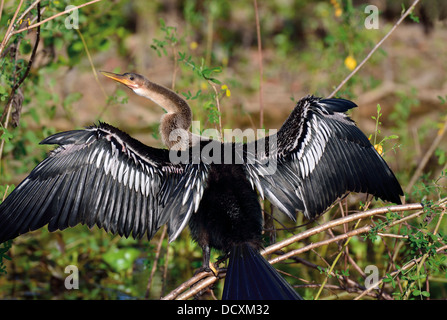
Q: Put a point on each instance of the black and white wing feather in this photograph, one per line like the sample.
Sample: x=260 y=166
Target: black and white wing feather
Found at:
x=101 y=176
x=317 y=156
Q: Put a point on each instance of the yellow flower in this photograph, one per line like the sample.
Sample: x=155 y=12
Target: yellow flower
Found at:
x=338 y=12
x=227 y=91
x=378 y=148
x=203 y=85
x=350 y=62
x=193 y=45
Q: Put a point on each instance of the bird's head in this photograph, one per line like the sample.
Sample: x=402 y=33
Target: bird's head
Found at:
x=133 y=81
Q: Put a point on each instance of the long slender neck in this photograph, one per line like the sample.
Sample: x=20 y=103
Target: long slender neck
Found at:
x=176 y=121
x=167 y=99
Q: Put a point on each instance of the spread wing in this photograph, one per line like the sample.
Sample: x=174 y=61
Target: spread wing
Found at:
x=101 y=176
x=317 y=156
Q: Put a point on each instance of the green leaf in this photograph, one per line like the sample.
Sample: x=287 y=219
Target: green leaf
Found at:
x=6 y=135
x=121 y=259
x=3 y=90
x=77 y=46
x=71 y=98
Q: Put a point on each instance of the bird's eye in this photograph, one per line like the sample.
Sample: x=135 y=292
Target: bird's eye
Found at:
x=131 y=78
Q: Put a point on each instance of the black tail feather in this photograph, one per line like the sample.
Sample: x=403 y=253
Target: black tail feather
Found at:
x=251 y=277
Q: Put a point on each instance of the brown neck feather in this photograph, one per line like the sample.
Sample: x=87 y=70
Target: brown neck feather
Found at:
x=178 y=117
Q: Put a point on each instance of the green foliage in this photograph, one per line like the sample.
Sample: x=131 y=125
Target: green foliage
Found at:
x=380 y=145
x=170 y=38
x=4 y=248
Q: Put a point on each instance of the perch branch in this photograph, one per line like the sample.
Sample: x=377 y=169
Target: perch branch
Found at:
x=205 y=279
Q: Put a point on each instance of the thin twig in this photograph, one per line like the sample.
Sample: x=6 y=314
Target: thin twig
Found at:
x=185 y=285
x=334 y=223
x=209 y=37
x=89 y=57
x=55 y=16
x=165 y=271
x=154 y=266
x=6 y=193
x=30 y=62
x=17 y=85
x=216 y=93
x=1 y=8
x=404 y=268
x=390 y=235
x=28 y=10
x=427 y=156
x=8 y=33
x=335 y=262
x=197 y=288
x=410 y=9
x=174 y=73
x=261 y=71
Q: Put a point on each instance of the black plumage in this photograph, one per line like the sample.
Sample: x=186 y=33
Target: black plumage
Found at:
x=101 y=176
x=251 y=277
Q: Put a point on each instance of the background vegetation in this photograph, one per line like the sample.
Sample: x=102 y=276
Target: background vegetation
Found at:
x=211 y=52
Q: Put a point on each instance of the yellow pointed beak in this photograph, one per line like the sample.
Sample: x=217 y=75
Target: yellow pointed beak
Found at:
x=119 y=78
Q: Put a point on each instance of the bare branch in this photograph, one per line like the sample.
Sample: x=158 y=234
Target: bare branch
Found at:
x=154 y=266
x=191 y=282
x=427 y=156
x=55 y=16
x=261 y=71
x=404 y=268
x=17 y=85
x=2 y=3
x=334 y=223
x=28 y=10
x=203 y=280
x=10 y=28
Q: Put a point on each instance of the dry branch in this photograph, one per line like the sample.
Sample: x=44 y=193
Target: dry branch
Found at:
x=205 y=279
x=55 y=16
x=410 y=265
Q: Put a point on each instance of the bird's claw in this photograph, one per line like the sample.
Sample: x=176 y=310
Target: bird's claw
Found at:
x=208 y=268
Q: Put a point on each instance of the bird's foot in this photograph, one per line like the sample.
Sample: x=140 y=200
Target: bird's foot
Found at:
x=208 y=268
x=213 y=269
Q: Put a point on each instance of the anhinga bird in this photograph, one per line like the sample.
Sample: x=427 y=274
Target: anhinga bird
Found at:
x=102 y=176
